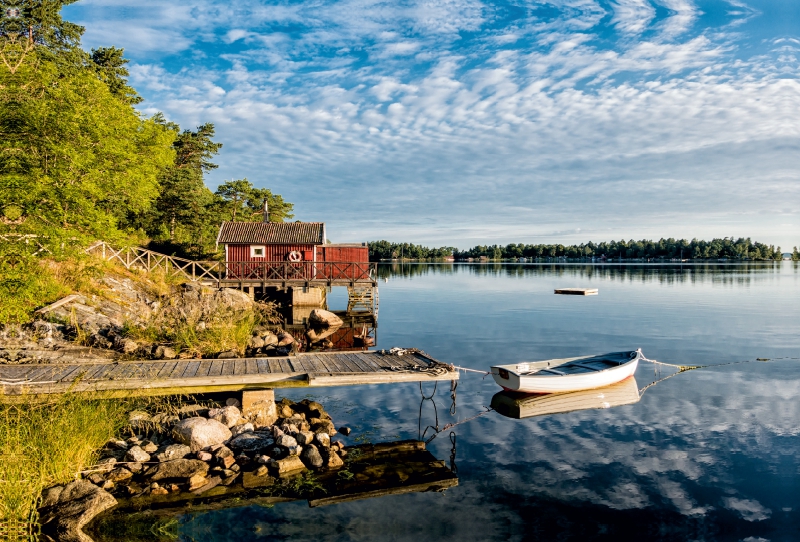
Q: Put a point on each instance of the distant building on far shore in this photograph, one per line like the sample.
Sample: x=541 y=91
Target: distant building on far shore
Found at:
x=787 y=255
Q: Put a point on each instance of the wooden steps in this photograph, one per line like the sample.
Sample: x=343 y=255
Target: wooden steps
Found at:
x=162 y=377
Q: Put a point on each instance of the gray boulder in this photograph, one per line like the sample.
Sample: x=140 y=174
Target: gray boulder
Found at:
x=137 y=454
x=311 y=457
x=173 y=451
x=178 y=468
x=64 y=513
x=197 y=433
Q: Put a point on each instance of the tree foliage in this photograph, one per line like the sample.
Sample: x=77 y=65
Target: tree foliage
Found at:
x=726 y=248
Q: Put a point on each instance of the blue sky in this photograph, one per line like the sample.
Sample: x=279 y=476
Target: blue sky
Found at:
x=463 y=122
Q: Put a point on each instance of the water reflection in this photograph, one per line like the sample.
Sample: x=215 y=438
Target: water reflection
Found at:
x=520 y=405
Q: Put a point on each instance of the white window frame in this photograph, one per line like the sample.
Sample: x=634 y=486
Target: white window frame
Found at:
x=253 y=249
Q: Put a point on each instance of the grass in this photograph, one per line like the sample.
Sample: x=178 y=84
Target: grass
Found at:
x=43 y=444
x=47 y=443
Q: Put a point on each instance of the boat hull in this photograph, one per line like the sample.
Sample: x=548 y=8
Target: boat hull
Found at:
x=534 y=383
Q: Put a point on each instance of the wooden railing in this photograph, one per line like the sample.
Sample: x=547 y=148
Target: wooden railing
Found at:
x=222 y=272
x=142 y=258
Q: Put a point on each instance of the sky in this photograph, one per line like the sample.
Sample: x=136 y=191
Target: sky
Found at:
x=465 y=122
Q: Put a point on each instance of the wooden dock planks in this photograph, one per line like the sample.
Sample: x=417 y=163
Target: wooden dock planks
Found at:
x=203 y=375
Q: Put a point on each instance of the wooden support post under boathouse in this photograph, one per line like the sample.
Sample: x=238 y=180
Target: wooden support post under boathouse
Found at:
x=166 y=377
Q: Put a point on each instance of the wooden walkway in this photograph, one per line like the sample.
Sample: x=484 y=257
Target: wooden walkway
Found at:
x=124 y=378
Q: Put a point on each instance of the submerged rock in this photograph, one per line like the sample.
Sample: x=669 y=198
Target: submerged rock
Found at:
x=178 y=468
x=64 y=513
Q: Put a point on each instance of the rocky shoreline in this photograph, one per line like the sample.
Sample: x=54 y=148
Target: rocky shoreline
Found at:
x=194 y=453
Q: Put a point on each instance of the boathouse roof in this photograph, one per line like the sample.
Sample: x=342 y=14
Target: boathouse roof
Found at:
x=272 y=233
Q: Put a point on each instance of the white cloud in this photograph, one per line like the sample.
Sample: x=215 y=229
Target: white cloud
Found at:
x=403 y=99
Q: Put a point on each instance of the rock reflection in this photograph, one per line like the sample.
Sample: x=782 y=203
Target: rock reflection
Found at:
x=520 y=405
x=371 y=470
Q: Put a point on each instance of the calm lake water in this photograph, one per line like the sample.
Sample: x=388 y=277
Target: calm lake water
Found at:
x=711 y=454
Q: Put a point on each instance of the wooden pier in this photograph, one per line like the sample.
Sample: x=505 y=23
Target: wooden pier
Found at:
x=161 y=377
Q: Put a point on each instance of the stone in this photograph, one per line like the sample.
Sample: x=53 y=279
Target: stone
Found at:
x=320 y=318
x=228 y=354
x=227 y=462
x=284 y=411
x=311 y=456
x=287 y=465
x=227 y=415
x=133 y=441
x=197 y=433
x=75 y=505
x=289 y=429
x=222 y=452
x=204 y=456
x=286 y=440
x=174 y=451
x=137 y=454
x=135 y=468
x=117 y=445
x=168 y=353
x=323 y=439
x=159 y=491
x=108 y=485
x=285 y=339
x=263 y=459
x=257 y=478
x=344 y=430
x=207 y=483
x=237 y=430
x=125 y=345
x=294 y=450
x=334 y=461
x=316 y=335
x=106 y=464
x=255 y=342
x=119 y=475
x=304 y=437
x=342 y=452
x=258 y=407
x=251 y=442
x=149 y=446
x=337 y=444
x=269 y=338
x=323 y=426
x=96 y=479
x=138 y=416
x=233 y=401
x=177 y=468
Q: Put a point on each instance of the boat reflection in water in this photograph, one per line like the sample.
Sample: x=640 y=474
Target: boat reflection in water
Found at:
x=521 y=405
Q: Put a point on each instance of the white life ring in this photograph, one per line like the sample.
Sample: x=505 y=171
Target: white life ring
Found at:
x=295 y=256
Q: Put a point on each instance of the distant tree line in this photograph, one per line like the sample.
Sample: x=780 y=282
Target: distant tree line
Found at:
x=385 y=250
x=724 y=248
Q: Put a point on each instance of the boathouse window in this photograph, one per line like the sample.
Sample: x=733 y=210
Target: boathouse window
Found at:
x=257 y=251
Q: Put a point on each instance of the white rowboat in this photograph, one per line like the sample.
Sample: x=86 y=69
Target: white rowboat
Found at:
x=569 y=374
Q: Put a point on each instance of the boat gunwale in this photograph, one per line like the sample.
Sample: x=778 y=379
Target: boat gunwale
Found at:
x=564 y=361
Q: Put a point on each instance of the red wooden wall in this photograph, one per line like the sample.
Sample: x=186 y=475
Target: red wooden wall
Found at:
x=342 y=254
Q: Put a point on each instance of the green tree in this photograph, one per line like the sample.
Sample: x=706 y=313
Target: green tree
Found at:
x=241 y=201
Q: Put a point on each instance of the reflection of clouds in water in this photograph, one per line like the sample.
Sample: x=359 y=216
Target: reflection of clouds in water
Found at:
x=748 y=508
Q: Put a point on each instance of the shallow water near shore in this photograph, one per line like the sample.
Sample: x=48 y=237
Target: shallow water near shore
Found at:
x=710 y=454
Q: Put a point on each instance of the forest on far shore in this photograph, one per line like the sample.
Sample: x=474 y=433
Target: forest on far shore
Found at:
x=742 y=249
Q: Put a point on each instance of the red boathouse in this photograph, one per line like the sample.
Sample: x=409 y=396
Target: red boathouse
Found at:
x=278 y=251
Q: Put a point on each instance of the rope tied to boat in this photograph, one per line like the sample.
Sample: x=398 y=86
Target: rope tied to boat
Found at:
x=433 y=368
